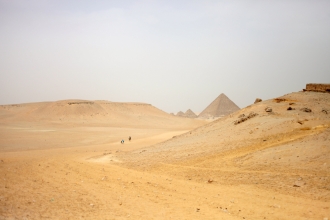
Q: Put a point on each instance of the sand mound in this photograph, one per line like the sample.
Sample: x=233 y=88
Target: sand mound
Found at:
x=84 y=111
x=277 y=142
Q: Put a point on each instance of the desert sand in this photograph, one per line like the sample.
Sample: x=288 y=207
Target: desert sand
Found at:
x=64 y=160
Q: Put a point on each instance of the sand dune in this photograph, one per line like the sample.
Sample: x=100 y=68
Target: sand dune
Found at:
x=72 y=123
x=112 y=113
x=65 y=161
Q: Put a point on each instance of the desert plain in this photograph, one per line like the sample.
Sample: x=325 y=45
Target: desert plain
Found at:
x=64 y=160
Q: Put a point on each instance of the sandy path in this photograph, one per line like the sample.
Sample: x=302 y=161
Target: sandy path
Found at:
x=57 y=185
x=77 y=183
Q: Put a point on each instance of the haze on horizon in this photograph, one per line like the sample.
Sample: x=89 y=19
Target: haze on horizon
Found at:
x=174 y=55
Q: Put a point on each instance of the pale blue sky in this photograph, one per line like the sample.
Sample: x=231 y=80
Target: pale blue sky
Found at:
x=174 y=55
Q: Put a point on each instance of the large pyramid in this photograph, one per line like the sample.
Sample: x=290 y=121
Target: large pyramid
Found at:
x=220 y=107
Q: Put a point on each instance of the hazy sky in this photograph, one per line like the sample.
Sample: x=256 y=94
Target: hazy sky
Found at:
x=172 y=54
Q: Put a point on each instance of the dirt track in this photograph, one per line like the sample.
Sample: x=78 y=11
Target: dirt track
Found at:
x=273 y=166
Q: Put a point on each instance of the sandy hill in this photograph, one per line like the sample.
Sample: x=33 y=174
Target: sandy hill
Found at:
x=69 y=123
x=285 y=150
x=220 y=107
x=293 y=119
x=76 y=111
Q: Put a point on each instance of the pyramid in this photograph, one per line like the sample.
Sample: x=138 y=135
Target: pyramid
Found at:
x=180 y=113
x=190 y=114
x=220 y=107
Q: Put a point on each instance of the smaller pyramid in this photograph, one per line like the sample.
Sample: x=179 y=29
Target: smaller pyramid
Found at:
x=180 y=113
x=220 y=107
x=190 y=114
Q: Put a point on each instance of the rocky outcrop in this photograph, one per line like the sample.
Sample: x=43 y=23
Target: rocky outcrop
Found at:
x=317 y=87
x=243 y=118
x=268 y=109
x=257 y=100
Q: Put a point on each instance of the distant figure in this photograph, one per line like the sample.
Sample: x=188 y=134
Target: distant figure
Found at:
x=122 y=141
x=129 y=138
